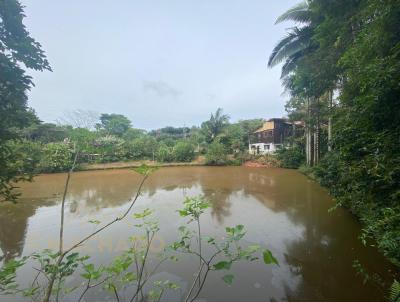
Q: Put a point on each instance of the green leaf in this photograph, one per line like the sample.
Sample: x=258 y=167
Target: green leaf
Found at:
x=228 y=279
x=86 y=276
x=183 y=213
x=94 y=221
x=269 y=258
x=222 y=265
x=145 y=169
x=129 y=277
x=146 y=212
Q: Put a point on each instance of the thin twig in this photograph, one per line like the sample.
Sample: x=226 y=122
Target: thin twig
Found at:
x=85 y=290
x=61 y=238
x=194 y=282
x=202 y=284
x=111 y=222
x=140 y=285
x=37 y=276
x=161 y=293
x=115 y=292
x=208 y=265
x=64 y=253
x=199 y=232
x=88 y=286
x=63 y=202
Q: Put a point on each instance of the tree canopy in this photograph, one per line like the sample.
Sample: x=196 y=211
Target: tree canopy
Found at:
x=17 y=50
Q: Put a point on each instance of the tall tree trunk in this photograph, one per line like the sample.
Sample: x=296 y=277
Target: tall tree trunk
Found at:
x=306 y=133
x=309 y=132
x=316 y=136
x=330 y=100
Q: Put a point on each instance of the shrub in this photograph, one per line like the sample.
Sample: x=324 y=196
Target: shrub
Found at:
x=140 y=148
x=184 y=152
x=216 y=154
x=268 y=160
x=165 y=154
x=56 y=157
x=291 y=158
x=110 y=148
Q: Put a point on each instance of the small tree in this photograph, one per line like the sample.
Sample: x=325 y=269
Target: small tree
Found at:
x=115 y=124
x=184 y=152
x=216 y=154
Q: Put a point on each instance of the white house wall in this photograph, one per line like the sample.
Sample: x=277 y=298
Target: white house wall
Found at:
x=271 y=148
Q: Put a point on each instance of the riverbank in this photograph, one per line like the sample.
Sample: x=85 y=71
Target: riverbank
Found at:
x=200 y=161
x=259 y=162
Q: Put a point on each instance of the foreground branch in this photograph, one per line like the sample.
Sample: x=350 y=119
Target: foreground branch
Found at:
x=62 y=253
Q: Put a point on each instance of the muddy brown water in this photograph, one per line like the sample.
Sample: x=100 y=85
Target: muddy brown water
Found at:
x=281 y=210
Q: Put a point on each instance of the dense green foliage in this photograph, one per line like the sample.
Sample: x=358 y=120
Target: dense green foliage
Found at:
x=216 y=155
x=56 y=157
x=47 y=147
x=184 y=152
x=349 y=49
x=17 y=50
x=291 y=158
x=114 y=124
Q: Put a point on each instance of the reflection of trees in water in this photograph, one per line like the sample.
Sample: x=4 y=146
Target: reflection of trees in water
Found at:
x=13 y=226
x=220 y=204
x=322 y=258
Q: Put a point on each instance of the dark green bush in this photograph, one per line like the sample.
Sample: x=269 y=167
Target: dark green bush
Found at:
x=141 y=148
x=184 y=152
x=292 y=157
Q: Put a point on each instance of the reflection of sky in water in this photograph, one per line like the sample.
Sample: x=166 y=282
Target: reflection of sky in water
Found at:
x=280 y=209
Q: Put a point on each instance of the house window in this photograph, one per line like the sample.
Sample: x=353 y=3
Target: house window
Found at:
x=266 y=147
x=277 y=147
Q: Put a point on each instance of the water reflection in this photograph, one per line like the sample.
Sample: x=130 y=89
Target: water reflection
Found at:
x=281 y=209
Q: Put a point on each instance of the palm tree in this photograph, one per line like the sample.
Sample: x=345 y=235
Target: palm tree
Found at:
x=291 y=49
x=214 y=126
x=297 y=42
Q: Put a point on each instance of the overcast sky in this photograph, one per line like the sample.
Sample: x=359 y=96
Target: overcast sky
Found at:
x=164 y=62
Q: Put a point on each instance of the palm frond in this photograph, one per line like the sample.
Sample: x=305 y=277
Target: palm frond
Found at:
x=287 y=83
x=394 y=295
x=296 y=41
x=286 y=40
x=290 y=64
x=299 y=13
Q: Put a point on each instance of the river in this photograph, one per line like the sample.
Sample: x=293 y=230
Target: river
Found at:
x=281 y=209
